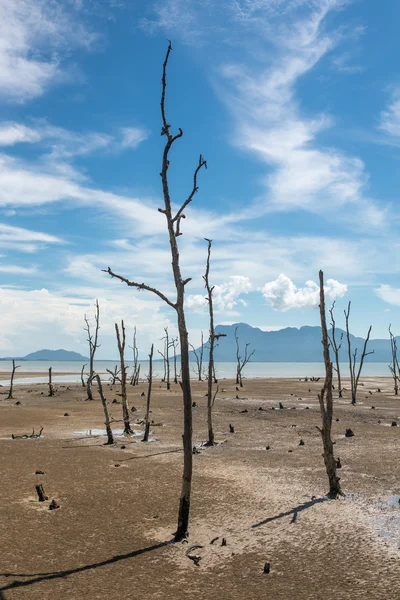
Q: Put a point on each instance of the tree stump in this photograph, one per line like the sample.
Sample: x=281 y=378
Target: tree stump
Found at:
x=267 y=568
x=349 y=433
x=54 y=505
x=41 y=493
x=231 y=428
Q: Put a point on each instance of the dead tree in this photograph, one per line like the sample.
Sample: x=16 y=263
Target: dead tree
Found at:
x=199 y=357
x=355 y=376
x=174 y=231
x=82 y=378
x=394 y=367
x=211 y=342
x=10 y=393
x=150 y=380
x=336 y=348
x=26 y=436
x=93 y=345
x=325 y=398
x=167 y=368
x=241 y=363
x=107 y=423
x=121 y=341
x=114 y=375
x=51 y=388
x=174 y=346
x=136 y=365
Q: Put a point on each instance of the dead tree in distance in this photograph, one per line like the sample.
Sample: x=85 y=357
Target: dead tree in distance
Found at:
x=150 y=380
x=121 y=341
x=51 y=388
x=199 y=357
x=336 y=347
x=212 y=338
x=174 y=346
x=136 y=365
x=114 y=375
x=394 y=367
x=110 y=437
x=355 y=377
x=241 y=363
x=10 y=393
x=82 y=378
x=174 y=231
x=325 y=398
x=165 y=355
x=93 y=345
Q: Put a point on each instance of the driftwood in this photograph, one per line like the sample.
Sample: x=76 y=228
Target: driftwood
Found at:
x=26 y=436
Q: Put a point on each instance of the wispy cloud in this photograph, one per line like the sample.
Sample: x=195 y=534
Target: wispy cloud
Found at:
x=25 y=240
x=388 y=294
x=283 y=294
x=35 y=33
x=389 y=122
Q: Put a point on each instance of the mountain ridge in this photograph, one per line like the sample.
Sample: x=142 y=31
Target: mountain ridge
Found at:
x=48 y=355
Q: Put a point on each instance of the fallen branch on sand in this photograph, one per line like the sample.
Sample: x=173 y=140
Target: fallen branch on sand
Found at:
x=27 y=436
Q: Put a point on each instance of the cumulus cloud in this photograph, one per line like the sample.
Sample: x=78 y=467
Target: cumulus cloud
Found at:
x=283 y=295
x=225 y=296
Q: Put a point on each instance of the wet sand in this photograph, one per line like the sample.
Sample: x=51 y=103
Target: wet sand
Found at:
x=111 y=537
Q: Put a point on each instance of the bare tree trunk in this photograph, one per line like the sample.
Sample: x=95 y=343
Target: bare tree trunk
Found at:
x=51 y=389
x=114 y=375
x=212 y=338
x=196 y=356
x=10 y=393
x=150 y=378
x=136 y=365
x=201 y=357
x=394 y=367
x=175 y=371
x=82 y=378
x=93 y=345
x=336 y=349
x=110 y=437
x=325 y=398
x=174 y=231
x=121 y=350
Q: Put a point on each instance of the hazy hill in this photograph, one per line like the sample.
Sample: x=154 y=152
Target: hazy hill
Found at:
x=290 y=345
x=50 y=355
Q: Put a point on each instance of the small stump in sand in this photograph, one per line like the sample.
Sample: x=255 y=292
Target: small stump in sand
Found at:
x=54 y=505
x=41 y=493
x=349 y=433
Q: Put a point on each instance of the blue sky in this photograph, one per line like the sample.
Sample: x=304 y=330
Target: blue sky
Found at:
x=295 y=104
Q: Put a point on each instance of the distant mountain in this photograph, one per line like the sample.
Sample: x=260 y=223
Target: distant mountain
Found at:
x=50 y=355
x=289 y=345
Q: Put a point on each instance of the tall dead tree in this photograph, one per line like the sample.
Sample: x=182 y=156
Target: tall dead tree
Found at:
x=51 y=388
x=93 y=345
x=325 y=398
x=150 y=380
x=82 y=378
x=136 y=365
x=211 y=343
x=110 y=437
x=174 y=231
x=355 y=373
x=199 y=357
x=167 y=366
x=241 y=362
x=336 y=347
x=121 y=341
x=10 y=393
x=394 y=366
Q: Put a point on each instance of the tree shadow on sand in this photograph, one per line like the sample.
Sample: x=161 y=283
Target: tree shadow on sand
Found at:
x=294 y=511
x=39 y=577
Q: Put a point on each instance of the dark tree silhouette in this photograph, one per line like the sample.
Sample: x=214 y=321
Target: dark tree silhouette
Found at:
x=173 y=222
x=10 y=393
x=150 y=380
x=355 y=374
x=325 y=398
x=336 y=347
x=110 y=437
x=241 y=362
x=136 y=365
x=121 y=341
x=394 y=367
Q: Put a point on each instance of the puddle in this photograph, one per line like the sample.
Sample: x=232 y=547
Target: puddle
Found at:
x=103 y=432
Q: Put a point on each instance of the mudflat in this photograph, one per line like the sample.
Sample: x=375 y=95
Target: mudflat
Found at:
x=112 y=535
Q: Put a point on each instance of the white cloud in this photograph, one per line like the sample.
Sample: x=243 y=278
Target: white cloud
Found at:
x=388 y=294
x=17 y=270
x=15 y=133
x=56 y=318
x=390 y=118
x=34 y=35
x=283 y=295
x=225 y=296
x=25 y=240
x=133 y=136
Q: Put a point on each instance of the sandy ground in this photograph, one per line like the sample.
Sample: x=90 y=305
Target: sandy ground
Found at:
x=111 y=536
